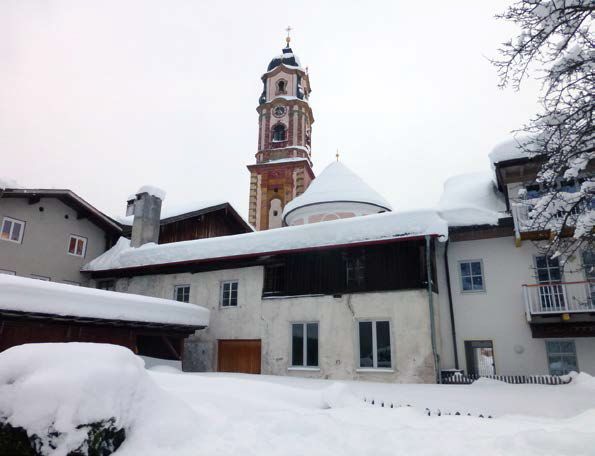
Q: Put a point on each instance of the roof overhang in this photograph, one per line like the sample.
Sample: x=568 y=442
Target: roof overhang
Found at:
x=72 y=200
x=243 y=260
x=36 y=316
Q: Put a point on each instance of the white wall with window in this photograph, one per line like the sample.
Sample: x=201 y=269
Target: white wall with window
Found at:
x=471 y=275
x=304 y=345
x=229 y=293
x=499 y=314
x=374 y=339
x=561 y=356
x=182 y=293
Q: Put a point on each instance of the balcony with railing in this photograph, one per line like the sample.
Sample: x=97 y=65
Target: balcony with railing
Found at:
x=559 y=299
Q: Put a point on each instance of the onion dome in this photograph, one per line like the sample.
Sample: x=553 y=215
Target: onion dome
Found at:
x=337 y=193
x=286 y=58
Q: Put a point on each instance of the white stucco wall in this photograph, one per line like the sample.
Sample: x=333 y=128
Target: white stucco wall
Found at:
x=270 y=319
x=498 y=314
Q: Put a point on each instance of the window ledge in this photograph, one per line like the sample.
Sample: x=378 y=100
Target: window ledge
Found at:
x=303 y=368
x=372 y=369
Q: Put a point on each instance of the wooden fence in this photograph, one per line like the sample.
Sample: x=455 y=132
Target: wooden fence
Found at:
x=457 y=378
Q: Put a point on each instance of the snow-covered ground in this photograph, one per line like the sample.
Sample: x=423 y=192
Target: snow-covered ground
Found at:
x=167 y=412
x=265 y=415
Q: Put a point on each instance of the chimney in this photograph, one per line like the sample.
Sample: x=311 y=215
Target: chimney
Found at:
x=147 y=215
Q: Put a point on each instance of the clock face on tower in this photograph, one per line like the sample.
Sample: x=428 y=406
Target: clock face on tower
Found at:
x=279 y=111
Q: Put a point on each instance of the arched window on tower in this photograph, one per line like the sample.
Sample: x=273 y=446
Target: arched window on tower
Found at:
x=281 y=86
x=279 y=132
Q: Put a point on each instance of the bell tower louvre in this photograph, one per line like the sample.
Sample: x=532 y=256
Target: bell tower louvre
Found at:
x=283 y=168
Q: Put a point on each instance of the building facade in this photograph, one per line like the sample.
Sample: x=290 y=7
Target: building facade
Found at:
x=51 y=234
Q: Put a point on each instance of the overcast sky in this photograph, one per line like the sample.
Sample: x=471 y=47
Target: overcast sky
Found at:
x=104 y=96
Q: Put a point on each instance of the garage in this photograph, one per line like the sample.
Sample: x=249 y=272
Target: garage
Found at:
x=239 y=355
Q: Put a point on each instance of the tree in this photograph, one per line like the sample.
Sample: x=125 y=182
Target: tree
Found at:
x=556 y=40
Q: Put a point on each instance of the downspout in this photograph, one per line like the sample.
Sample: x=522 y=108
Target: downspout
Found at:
x=450 y=307
x=431 y=304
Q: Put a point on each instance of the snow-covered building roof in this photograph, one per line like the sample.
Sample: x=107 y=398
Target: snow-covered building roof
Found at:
x=511 y=149
x=287 y=58
x=7 y=182
x=352 y=231
x=24 y=295
x=337 y=183
x=472 y=199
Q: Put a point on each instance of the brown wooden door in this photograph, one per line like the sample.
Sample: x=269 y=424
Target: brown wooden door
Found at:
x=239 y=356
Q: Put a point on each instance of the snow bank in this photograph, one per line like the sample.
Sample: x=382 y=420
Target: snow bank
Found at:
x=176 y=209
x=152 y=190
x=471 y=199
x=337 y=183
x=60 y=386
x=29 y=295
x=390 y=225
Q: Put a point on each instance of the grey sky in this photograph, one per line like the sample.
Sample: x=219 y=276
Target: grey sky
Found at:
x=105 y=96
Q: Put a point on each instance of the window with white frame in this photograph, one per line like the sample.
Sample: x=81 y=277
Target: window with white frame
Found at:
x=304 y=345
x=77 y=245
x=374 y=344
x=229 y=293
x=561 y=356
x=182 y=293
x=471 y=276
x=12 y=230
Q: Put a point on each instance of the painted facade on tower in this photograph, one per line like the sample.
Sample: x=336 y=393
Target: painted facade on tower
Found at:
x=283 y=168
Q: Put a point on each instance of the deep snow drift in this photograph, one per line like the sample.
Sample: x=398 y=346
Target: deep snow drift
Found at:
x=166 y=412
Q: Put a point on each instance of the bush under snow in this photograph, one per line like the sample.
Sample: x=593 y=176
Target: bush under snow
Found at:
x=54 y=391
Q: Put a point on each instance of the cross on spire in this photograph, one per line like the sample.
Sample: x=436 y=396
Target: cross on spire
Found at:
x=337 y=154
x=288 y=38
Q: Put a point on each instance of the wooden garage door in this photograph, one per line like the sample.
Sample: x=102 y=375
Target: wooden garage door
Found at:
x=239 y=356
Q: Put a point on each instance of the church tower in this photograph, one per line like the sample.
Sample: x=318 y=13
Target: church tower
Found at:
x=283 y=168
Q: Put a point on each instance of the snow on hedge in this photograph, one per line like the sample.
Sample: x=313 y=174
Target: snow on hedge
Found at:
x=471 y=199
x=29 y=295
x=390 y=225
x=57 y=387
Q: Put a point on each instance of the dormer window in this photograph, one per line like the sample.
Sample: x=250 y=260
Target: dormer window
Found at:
x=279 y=132
x=281 y=87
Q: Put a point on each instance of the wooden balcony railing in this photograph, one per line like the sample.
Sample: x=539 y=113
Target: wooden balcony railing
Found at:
x=558 y=298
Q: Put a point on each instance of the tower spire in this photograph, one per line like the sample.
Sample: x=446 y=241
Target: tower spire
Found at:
x=288 y=38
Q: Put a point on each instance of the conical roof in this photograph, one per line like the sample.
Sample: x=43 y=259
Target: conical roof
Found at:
x=337 y=183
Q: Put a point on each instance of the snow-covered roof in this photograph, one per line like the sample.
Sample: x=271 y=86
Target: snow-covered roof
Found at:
x=152 y=190
x=287 y=58
x=7 y=182
x=385 y=226
x=175 y=209
x=471 y=199
x=337 y=183
x=22 y=294
x=511 y=149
